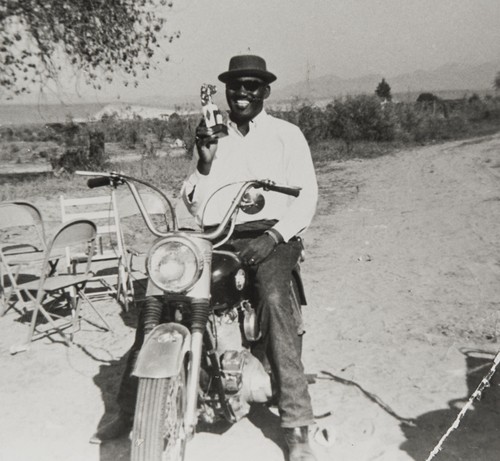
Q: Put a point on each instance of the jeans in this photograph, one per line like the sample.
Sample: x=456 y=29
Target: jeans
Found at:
x=281 y=341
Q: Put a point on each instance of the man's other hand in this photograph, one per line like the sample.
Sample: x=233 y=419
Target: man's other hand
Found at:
x=257 y=250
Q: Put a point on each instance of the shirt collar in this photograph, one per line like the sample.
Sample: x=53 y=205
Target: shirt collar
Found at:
x=259 y=119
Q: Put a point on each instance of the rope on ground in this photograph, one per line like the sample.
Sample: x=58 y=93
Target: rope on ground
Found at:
x=371 y=396
x=485 y=382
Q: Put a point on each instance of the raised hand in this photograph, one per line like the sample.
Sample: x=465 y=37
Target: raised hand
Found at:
x=206 y=145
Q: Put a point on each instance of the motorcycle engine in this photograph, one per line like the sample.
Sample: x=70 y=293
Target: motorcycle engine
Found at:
x=245 y=381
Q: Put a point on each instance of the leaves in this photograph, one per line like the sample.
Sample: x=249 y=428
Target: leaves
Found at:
x=99 y=39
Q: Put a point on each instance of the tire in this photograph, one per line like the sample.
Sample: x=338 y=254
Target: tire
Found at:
x=158 y=433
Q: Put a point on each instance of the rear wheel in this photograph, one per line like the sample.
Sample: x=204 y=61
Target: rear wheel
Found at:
x=159 y=433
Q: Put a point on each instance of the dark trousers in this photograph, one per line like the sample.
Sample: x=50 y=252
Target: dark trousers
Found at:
x=281 y=341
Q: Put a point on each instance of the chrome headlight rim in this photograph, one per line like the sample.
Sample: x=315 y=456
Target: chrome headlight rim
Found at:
x=196 y=253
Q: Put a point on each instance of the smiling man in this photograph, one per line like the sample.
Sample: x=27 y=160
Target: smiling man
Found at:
x=260 y=146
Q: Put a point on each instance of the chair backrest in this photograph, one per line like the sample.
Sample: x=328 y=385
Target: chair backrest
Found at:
x=79 y=233
x=102 y=210
x=37 y=219
x=25 y=218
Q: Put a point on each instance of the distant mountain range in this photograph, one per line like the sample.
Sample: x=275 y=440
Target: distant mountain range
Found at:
x=450 y=77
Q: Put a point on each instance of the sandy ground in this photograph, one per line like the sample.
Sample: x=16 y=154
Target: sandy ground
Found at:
x=402 y=275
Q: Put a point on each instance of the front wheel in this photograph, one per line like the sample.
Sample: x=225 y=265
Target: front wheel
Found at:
x=159 y=433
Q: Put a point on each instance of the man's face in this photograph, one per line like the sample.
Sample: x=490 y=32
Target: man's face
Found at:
x=245 y=97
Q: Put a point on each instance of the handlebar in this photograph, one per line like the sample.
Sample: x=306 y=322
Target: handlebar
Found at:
x=115 y=179
x=99 y=182
x=287 y=190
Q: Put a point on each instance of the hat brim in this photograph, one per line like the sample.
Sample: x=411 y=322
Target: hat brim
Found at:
x=266 y=76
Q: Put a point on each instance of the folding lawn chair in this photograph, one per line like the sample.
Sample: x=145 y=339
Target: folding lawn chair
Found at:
x=23 y=243
x=53 y=291
x=110 y=260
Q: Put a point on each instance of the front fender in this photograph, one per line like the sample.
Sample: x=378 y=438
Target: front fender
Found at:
x=162 y=354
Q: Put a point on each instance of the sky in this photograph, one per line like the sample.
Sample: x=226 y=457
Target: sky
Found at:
x=307 y=38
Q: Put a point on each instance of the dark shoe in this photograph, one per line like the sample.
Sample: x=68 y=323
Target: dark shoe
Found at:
x=119 y=426
x=297 y=441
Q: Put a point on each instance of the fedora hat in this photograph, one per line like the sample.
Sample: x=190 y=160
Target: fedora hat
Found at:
x=247 y=65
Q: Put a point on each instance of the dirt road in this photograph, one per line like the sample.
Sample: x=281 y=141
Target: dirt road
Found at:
x=402 y=272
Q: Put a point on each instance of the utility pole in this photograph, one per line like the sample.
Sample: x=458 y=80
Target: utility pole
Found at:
x=309 y=68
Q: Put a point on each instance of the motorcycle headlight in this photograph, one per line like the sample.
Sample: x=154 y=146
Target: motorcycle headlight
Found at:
x=174 y=264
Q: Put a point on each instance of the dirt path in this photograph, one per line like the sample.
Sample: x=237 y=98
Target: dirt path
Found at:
x=402 y=273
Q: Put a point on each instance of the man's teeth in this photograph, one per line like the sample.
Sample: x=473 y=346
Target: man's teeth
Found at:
x=242 y=103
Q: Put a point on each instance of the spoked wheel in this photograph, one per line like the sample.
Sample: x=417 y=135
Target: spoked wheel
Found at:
x=159 y=433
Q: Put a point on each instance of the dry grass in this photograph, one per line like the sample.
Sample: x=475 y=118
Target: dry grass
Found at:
x=26 y=151
x=166 y=173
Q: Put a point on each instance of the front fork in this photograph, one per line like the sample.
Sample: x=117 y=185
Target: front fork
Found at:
x=200 y=310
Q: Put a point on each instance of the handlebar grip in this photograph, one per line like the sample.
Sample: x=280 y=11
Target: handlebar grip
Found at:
x=287 y=190
x=98 y=182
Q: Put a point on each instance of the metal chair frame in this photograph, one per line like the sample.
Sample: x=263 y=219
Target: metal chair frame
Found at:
x=53 y=287
x=19 y=217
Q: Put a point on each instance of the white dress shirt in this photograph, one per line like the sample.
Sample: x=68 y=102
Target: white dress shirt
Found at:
x=272 y=149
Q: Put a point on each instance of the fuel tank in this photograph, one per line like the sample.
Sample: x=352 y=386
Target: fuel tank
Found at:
x=230 y=284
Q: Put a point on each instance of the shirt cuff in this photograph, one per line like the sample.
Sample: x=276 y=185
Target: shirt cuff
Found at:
x=196 y=183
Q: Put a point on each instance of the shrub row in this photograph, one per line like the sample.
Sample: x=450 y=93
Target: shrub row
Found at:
x=351 y=119
x=367 y=118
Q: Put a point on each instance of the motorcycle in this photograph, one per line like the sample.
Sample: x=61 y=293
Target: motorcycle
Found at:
x=196 y=363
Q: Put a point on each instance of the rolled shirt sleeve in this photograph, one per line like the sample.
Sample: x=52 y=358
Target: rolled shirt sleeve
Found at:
x=193 y=188
x=299 y=172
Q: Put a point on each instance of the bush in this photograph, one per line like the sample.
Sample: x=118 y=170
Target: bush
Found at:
x=7 y=134
x=362 y=118
x=435 y=127
x=85 y=151
x=427 y=98
x=176 y=126
x=159 y=128
x=132 y=132
x=313 y=123
x=190 y=124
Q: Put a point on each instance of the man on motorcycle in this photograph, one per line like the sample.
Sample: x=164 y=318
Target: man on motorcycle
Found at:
x=257 y=146
x=261 y=146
